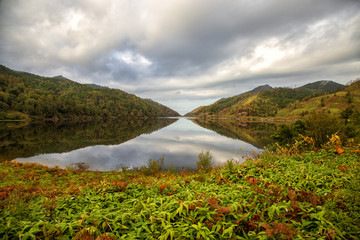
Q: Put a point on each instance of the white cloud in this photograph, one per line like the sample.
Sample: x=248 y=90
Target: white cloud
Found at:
x=183 y=49
x=131 y=58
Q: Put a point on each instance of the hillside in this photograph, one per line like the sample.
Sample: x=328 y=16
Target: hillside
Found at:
x=260 y=88
x=324 y=85
x=265 y=101
x=25 y=96
x=338 y=102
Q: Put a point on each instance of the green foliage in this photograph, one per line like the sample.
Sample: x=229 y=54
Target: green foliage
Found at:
x=352 y=124
x=312 y=195
x=285 y=102
x=54 y=98
x=262 y=107
x=287 y=134
x=154 y=166
x=265 y=103
x=321 y=125
x=205 y=162
x=230 y=165
x=346 y=114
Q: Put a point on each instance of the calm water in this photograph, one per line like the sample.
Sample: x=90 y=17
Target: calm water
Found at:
x=109 y=145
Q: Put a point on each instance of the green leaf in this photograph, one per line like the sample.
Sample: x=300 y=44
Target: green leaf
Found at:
x=228 y=231
x=180 y=209
x=195 y=226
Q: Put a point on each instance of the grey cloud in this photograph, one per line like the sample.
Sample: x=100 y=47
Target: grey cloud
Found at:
x=214 y=31
x=202 y=49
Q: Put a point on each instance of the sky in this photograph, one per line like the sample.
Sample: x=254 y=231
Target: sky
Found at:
x=183 y=53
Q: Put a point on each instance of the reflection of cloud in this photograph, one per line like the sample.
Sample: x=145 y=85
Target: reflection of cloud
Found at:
x=180 y=144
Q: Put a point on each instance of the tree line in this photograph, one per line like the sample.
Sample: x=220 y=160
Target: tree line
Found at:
x=24 y=96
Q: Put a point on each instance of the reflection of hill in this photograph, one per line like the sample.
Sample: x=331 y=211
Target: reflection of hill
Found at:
x=29 y=140
x=257 y=134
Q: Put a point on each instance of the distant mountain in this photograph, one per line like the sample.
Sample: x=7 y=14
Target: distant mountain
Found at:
x=225 y=104
x=265 y=101
x=260 y=88
x=324 y=85
x=94 y=85
x=60 y=77
x=25 y=95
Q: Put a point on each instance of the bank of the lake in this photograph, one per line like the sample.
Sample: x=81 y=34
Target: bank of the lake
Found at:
x=108 y=145
x=285 y=195
x=248 y=119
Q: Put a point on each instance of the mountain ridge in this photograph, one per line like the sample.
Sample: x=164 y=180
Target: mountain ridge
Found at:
x=28 y=96
x=260 y=88
x=265 y=101
x=326 y=85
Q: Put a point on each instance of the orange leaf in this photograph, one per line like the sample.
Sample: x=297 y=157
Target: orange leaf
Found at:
x=253 y=181
x=339 y=150
x=343 y=168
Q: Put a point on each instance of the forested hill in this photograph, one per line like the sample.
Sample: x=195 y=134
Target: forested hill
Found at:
x=28 y=96
x=265 y=101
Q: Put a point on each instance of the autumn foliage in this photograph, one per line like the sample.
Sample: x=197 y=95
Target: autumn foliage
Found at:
x=313 y=194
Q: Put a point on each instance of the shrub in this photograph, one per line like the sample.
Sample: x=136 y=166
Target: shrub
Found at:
x=154 y=166
x=320 y=126
x=205 y=162
x=230 y=165
x=287 y=134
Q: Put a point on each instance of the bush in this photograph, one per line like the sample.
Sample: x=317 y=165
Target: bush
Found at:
x=154 y=166
x=287 y=134
x=205 y=162
x=352 y=129
x=320 y=126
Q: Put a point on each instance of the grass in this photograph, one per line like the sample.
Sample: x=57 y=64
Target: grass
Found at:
x=288 y=194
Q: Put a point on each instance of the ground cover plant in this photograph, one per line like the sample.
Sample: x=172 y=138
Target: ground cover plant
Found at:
x=297 y=192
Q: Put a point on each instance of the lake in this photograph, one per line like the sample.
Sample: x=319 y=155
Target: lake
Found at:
x=109 y=145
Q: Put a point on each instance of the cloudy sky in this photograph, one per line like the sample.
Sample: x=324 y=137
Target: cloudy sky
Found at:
x=183 y=53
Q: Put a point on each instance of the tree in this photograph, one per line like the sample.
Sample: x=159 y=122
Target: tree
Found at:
x=320 y=126
x=346 y=114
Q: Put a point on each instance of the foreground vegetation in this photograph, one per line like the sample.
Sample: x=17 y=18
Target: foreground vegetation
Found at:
x=297 y=192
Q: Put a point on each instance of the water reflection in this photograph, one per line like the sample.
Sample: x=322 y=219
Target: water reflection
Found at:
x=179 y=143
x=256 y=133
x=19 y=140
